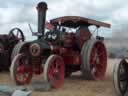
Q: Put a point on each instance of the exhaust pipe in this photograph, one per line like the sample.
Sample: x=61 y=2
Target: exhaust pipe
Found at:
x=41 y=8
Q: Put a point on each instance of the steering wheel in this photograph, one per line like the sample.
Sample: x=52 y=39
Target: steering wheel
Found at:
x=17 y=33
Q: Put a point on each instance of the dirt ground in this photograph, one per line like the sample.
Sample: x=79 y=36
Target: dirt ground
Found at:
x=75 y=86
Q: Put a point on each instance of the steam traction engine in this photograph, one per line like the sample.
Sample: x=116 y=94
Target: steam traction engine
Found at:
x=57 y=52
x=7 y=43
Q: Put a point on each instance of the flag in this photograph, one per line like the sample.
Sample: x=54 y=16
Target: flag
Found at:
x=49 y=26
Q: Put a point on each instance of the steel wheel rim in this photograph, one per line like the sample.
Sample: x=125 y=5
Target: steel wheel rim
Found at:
x=56 y=72
x=122 y=79
x=23 y=73
x=98 y=60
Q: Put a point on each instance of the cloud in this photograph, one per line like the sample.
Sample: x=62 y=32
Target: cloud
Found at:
x=120 y=22
x=120 y=15
x=21 y=12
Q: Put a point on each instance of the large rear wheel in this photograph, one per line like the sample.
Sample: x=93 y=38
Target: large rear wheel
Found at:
x=120 y=78
x=20 y=70
x=94 y=60
x=54 y=71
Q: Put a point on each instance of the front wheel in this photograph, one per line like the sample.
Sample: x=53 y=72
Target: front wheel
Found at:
x=20 y=70
x=120 y=78
x=54 y=71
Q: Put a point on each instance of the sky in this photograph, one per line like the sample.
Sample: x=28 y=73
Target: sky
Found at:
x=18 y=13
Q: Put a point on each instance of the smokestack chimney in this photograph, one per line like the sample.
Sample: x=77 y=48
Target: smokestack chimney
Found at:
x=41 y=8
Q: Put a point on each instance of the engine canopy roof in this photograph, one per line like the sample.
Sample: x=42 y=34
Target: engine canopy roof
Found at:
x=76 y=21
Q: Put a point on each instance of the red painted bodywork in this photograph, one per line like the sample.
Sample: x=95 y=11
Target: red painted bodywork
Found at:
x=73 y=42
x=70 y=52
x=70 y=56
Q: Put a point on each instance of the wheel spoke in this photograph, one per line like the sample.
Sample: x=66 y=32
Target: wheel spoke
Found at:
x=123 y=77
x=101 y=54
x=17 y=33
x=126 y=86
x=93 y=57
x=96 y=72
x=99 y=66
x=93 y=70
x=99 y=72
x=56 y=65
x=123 y=87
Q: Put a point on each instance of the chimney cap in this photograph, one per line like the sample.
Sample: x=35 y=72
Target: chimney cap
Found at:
x=42 y=6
